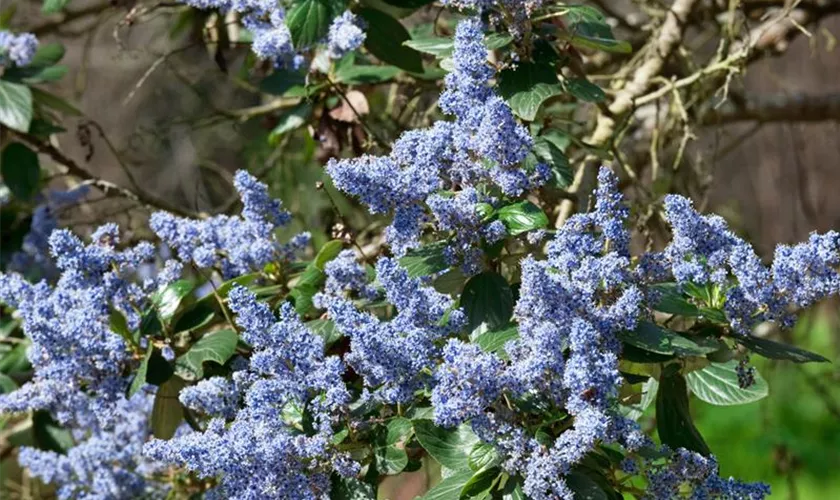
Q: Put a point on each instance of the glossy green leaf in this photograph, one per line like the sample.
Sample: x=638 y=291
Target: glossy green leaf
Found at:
x=584 y=90
x=494 y=340
x=198 y=315
x=167 y=412
x=326 y=329
x=527 y=86
x=522 y=217
x=366 y=74
x=425 y=260
x=309 y=20
x=487 y=298
x=7 y=384
x=652 y=337
x=717 y=384
x=48 y=435
x=391 y=457
x=671 y=301
x=483 y=456
x=328 y=252
x=44 y=98
x=217 y=347
x=479 y=485
x=584 y=487
x=546 y=150
x=588 y=28
x=166 y=301
x=436 y=46
x=673 y=417
x=385 y=37
x=15 y=106
x=20 y=169
x=777 y=350
x=344 y=488
x=450 y=488
x=291 y=119
x=450 y=447
x=280 y=81
x=139 y=379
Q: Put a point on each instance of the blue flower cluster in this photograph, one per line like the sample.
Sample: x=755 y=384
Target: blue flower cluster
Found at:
x=17 y=49
x=233 y=245
x=346 y=35
x=107 y=461
x=449 y=166
x=689 y=469
x=73 y=347
x=261 y=449
x=394 y=357
x=705 y=252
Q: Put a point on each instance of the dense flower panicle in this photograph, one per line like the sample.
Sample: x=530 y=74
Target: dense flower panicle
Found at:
x=106 y=462
x=234 y=245
x=73 y=346
x=484 y=147
x=259 y=454
x=18 y=49
x=467 y=381
x=392 y=356
x=345 y=35
x=346 y=274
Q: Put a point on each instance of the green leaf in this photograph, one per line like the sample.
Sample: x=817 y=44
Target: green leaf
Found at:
x=52 y=101
x=671 y=301
x=21 y=170
x=584 y=90
x=309 y=20
x=48 y=53
x=166 y=301
x=527 y=86
x=546 y=150
x=483 y=456
x=495 y=41
x=291 y=119
x=385 y=37
x=217 y=346
x=15 y=106
x=717 y=384
x=344 y=488
x=450 y=488
x=53 y=6
x=325 y=328
x=48 y=435
x=306 y=288
x=495 y=340
x=361 y=74
x=584 y=487
x=588 y=28
x=522 y=217
x=480 y=484
x=139 y=379
x=197 y=316
x=451 y=448
x=15 y=360
x=119 y=325
x=512 y=489
x=673 y=418
x=167 y=412
x=652 y=337
x=426 y=260
x=451 y=282
x=777 y=350
x=7 y=384
x=487 y=298
x=391 y=457
x=649 y=390
x=281 y=80
x=328 y=252
x=436 y=46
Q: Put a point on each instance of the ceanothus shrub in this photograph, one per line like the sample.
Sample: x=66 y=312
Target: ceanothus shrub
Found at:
x=217 y=361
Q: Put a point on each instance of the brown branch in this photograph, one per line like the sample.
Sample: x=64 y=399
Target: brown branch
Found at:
x=109 y=188
x=786 y=107
x=667 y=40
